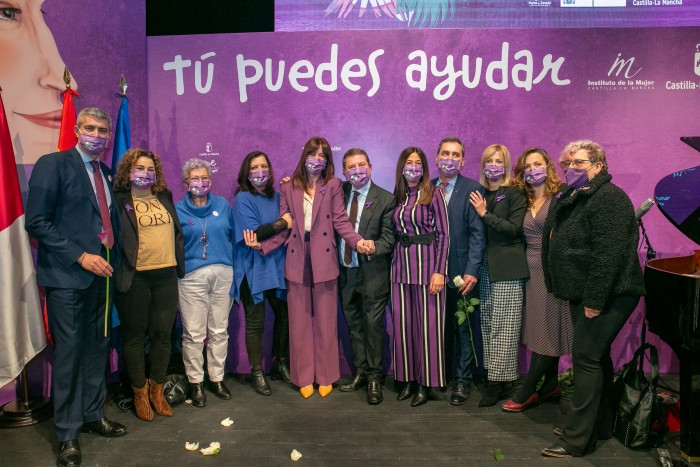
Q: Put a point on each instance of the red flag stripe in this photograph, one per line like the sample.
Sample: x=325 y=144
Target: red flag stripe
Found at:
x=10 y=198
x=66 y=136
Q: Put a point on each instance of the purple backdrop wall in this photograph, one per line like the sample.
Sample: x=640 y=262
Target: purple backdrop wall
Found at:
x=633 y=90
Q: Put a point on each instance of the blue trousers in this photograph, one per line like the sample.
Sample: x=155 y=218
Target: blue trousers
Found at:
x=78 y=378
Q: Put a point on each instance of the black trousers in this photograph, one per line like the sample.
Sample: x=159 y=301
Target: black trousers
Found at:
x=76 y=323
x=592 y=410
x=364 y=313
x=148 y=308
x=255 y=324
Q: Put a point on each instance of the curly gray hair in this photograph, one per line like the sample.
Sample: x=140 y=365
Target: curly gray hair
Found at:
x=192 y=164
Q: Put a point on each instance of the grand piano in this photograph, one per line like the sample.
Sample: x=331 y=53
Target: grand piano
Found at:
x=673 y=296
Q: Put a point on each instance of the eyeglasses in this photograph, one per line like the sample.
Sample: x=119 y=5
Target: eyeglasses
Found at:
x=578 y=163
x=200 y=179
x=564 y=164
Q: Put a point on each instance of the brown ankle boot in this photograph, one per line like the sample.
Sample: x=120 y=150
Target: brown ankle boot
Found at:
x=155 y=391
x=141 y=403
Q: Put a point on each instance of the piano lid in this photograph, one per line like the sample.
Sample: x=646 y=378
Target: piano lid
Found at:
x=678 y=196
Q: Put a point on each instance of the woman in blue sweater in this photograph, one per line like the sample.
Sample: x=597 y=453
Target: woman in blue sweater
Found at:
x=259 y=278
x=205 y=302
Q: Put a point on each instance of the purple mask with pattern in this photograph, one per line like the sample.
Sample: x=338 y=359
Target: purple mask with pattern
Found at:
x=142 y=179
x=412 y=173
x=315 y=165
x=259 y=178
x=536 y=176
x=494 y=172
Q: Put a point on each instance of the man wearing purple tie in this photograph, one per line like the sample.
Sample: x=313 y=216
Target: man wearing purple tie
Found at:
x=70 y=211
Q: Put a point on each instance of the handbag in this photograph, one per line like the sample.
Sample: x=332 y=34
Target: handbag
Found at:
x=639 y=422
x=176 y=389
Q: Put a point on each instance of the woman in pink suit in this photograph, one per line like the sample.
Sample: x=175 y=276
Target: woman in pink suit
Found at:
x=314 y=200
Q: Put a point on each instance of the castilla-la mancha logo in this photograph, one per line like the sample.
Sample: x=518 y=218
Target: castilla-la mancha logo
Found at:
x=210 y=156
x=622 y=75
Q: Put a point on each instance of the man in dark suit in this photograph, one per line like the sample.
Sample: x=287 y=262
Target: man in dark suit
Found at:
x=467 y=243
x=364 y=279
x=70 y=211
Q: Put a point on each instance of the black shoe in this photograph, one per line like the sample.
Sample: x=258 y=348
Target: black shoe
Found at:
x=359 y=381
x=220 y=390
x=421 y=396
x=104 y=427
x=69 y=454
x=461 y=394
x=407 y=391
x=280 y=370
x=556 y=451
x=199 y=398
x=260 y=383
x=492 y=394
x=374 y=393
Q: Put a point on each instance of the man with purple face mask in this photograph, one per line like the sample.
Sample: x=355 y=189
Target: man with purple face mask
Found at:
x=467 y=244
x=364 y=279
x=71 y=211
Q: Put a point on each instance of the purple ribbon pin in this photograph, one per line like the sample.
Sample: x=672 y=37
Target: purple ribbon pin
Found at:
x=128 y=207
x=500 y=198
x=558 y=195
x=368 y=204
x=190 y=221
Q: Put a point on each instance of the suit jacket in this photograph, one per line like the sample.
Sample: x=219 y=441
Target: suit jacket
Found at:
x=328 y=215
x=63 y=215
x=376 y=223
x=504 y=235
x=130 y=244
x=467 y=231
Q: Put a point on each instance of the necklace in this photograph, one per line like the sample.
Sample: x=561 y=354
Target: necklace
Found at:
x=203 y=240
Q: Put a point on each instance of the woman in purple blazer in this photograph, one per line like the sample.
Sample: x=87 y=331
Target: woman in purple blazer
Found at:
x=314 y=200
x=418 y=274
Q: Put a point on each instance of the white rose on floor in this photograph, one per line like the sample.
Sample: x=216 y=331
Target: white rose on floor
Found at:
x=296 y=455
x=227 y=421
x=191 y=446
x=213 y=449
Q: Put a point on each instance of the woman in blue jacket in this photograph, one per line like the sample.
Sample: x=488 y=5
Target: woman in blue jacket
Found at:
x=260 y=278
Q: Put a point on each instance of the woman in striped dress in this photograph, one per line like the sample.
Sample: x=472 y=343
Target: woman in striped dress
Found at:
x=418 y=274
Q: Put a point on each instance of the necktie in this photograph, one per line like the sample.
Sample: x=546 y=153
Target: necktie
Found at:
x=102 y=203
x=347 y=254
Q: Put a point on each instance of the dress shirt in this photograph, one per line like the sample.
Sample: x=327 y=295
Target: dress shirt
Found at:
x=361 y=197
x=87 y=159
x=449 y=188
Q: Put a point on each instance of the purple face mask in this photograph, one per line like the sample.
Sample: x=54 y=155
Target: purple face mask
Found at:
x=142 y=179
x=449 y=167
x=536 y=176
x=315 y=165
x=198 y=188
x=93 y=145
x=494 y=172
x=259 y=178
x=412 y=173
x=357 y=176
x=576 y=178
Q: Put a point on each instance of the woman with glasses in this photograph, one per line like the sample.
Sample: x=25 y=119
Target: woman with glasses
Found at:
x=146 y=282
x=503 y=270
x=314 y=201
x=205 y=302
x=590 y=258
x=418 y=271
x=260 y=279
x=547 y=329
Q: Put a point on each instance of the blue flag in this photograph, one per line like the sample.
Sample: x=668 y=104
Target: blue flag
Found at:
x=122 y=142
x=122 y=133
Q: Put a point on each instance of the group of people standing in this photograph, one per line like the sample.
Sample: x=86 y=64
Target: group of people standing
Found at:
x=554 y=267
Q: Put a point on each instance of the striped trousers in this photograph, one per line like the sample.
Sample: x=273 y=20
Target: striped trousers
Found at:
x=418 y=338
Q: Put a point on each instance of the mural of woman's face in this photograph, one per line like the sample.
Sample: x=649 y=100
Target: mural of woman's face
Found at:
x=31 y=77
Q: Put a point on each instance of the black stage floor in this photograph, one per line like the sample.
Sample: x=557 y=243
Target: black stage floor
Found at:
x=340 y=430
